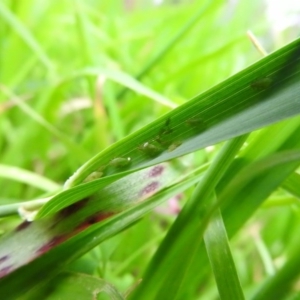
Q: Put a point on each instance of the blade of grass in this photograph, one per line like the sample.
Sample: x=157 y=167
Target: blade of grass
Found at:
x=168 y=267
x=171 y=43
x=24 y=34
x=281 y=284
x=221 y=260
x=220 y=112
x=124 y=79
x=81 y=154
x=26 y=277
x=80 y=244
x=29 y=178
x=266 y=175
x=69 y=285
x=292 y=183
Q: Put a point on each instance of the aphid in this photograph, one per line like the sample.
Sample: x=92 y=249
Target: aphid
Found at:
x=261 y=84
x=150 y=149
x=166 y=128
x=93 y=176
x=174 y=145
x=120 y=162
x=195 y=123
x=161 y=141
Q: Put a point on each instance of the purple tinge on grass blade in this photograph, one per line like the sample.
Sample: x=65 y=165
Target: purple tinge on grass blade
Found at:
x=30 y=240
x=156 y=171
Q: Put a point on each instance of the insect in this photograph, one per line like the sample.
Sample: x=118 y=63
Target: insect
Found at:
x=261 y=84
x=120 y=162
x=150 y=149
x=196 y=123
x=93 y=176
x=174 y=145
x=160 y=140
x=166 y=128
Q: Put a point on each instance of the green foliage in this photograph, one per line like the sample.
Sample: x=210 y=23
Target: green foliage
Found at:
x=93 y=102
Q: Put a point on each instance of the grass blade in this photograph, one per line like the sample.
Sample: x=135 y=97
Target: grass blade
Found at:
x=219 y=253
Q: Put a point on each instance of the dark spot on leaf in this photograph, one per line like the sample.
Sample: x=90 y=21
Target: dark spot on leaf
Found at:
x=150 y=188
x=52 y=243
x=23 y=225
x=4 y=258
x=156 y=171
x=5 y=271
x=71 y=209
x=93 y=220
x=100 y=217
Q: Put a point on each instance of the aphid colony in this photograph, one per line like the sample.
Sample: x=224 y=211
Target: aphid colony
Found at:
x=151 y=148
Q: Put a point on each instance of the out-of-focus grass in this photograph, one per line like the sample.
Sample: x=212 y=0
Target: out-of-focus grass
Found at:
x=45 y=43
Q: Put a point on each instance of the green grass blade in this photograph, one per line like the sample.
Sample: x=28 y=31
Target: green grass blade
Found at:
x=29 y=178
x=76 y=246
x=219 y=253
x=27 y=37
x=229 y=109
x=168 y=266
x=281 y=284
x=292 y=183
x=260 y=174
x=123 y=79
x=171 y=43
x=69 y=285
x=81 y=154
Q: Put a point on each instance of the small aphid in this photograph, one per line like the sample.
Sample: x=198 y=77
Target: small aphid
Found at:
x=165 y=131
x=195 y=122
x=93 y=176
x=168 y=121
x=161 y=141
x=120 y=162
x=174 y=145
x=166 y=128
x=261 y=84
x=150 y=149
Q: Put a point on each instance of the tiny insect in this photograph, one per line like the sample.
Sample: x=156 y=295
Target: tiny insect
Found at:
x=174 y=145
x=150 y=149
x=161 y=141
x=195 y=122
x=166 y=128
x=93 y=176
x=120 y=162
x=261 y=84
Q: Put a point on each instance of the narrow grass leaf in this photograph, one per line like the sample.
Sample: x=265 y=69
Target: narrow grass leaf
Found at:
x=281 y=284
x=172 y=42
x=219 y=253
x=230 y=109
x=25 y=35
x=75 y=286
x=123 y=79
x=81 y=154
x=265 y=175
x=169 y=265
x=15 y=284
x=292 y=183
x=28 y=177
